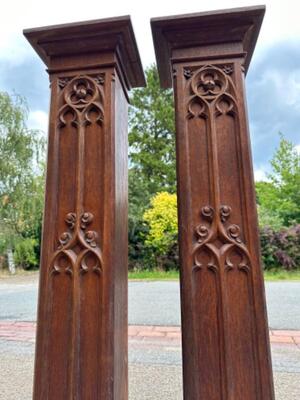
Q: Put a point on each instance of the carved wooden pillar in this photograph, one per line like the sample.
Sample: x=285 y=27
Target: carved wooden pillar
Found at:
x=81 y=350
x=226 y=353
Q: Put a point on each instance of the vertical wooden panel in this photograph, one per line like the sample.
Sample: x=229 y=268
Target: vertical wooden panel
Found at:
x=91 y=304
x=121 y=248
x=60 y=334
x=241 y=341
x=206 y=329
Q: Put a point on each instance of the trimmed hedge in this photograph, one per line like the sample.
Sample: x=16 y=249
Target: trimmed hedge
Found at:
x=281 y=249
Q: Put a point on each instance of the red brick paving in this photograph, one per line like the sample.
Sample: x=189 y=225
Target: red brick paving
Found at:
x=25 y=332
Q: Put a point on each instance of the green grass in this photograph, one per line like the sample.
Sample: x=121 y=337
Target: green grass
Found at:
x=153 y=275
x=156 y=275
x=277 y=275
x=5 y=274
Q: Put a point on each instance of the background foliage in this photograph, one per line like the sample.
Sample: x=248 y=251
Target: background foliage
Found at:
x=279 y=198
x=21 y=183
x=152 y=187
x=151 y=160
x=281 y=249
x=161 y=218
x=153 y=227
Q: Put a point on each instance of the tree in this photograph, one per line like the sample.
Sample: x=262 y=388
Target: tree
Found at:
x=286 y=179
x=138 y=198
x=21 y=174
x=267 y=216
x=152 y=135
x=280 y=197
x=151 y=156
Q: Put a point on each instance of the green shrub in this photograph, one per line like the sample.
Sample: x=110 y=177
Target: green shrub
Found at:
x=280 y=249
x=161 y=240
x=137 y=251
x=25 y=253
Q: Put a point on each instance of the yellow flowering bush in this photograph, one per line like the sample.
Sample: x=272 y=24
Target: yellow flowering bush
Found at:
x=161 y=218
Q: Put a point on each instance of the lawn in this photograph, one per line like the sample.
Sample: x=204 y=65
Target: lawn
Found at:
x=156 y=275
x=153 y=275
x=277 y=275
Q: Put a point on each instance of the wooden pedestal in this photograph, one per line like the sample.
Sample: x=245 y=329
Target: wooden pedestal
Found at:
x=226 y=354
x=81 y=350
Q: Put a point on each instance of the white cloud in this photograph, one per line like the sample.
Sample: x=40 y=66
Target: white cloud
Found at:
x=281 y=22
x=298 y=148
x=260 y=175
x=278 y=91
x=38 y=120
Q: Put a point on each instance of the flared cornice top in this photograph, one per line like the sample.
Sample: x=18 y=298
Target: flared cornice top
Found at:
x=238 y=25
x=91 y=37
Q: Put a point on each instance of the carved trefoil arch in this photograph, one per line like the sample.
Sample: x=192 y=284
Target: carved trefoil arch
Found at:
x=83 y=95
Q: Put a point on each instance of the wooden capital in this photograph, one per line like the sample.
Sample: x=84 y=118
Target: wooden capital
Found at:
x=81 y=350
x=226 y=352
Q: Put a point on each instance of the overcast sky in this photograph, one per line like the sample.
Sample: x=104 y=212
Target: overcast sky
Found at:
x=273 y=81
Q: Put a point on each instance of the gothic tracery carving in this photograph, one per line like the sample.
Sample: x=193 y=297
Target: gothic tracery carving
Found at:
x=78 y=249
x=220 y=240
x=82 y=96
x=211 y=91
x=75 y=245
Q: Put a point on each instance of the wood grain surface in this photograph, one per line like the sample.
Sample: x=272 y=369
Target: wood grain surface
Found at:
x=226 y=353
x=82 y=340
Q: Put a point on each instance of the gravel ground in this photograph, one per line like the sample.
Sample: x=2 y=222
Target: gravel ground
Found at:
x=154 y=371
x=146 y=382
x=155 y=367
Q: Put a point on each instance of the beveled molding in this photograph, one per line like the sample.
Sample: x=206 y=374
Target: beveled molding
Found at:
x=230 y=32
x=111 y=38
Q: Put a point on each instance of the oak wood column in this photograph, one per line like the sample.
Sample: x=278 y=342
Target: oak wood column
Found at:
x=81 y=350
x=226 y=354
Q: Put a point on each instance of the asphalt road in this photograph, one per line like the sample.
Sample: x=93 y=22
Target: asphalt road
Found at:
x=153 y=303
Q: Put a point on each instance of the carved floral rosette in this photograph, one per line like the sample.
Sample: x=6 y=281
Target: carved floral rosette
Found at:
x=211 y=90
x=83 y=99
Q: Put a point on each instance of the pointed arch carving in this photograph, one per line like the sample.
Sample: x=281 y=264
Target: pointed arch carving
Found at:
x=220 y=239
x=75 y=244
